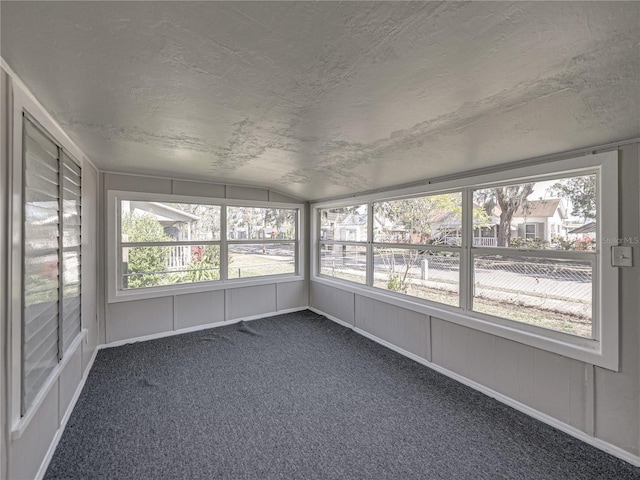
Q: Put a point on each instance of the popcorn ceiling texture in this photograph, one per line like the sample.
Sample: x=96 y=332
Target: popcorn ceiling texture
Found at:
x=329 y=98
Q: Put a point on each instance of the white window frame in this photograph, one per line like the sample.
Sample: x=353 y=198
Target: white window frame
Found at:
x=603 y=349
x=115 y=292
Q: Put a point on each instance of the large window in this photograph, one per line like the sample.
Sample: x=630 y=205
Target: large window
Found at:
x=528 y=253
x=170 y=241
x=416 y=246
x=261 y=241
x=51 y=269
x=167 y=243
x=343 y=240
x=541 y=270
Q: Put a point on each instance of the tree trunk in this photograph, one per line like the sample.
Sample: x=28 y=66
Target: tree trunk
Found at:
x=504 y=229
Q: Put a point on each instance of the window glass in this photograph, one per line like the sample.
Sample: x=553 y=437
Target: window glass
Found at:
x=433 y=219
x=424 y=274
x=144 y=221
x=550 y=293
x=253 y=223
x=558 y=214
x=153 y=266
x=348 y=262
x=345 y=224
x=256 y=260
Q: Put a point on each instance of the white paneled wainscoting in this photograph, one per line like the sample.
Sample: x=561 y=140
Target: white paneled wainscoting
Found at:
x=556 y=390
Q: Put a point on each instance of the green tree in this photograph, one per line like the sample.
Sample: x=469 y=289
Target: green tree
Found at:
x=580 y=192
x=145 y=261
x=205 y=265
x=415 y=216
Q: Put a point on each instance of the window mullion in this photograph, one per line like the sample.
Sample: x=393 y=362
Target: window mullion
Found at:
x=224 y=247
x=466 y=258
x=369 y=252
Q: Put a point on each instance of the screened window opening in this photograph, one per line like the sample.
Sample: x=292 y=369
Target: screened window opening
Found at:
x=526 y=284
x=530 y=250
x=168 y=243
x=261 y=241
x=343 y=242
x=165 y=243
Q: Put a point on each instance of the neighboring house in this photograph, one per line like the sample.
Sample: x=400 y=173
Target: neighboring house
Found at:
x=579 y=231
x=176 y=224
x=352 y=228
x=541 y=219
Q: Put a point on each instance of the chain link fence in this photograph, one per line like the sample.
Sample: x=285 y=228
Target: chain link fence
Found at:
x=559 y=286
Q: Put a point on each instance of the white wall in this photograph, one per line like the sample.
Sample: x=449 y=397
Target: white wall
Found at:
x=601 y=404
x=126 y=320
x=28 y=443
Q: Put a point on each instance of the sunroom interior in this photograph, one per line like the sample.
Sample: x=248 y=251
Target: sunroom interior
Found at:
x=458 y=182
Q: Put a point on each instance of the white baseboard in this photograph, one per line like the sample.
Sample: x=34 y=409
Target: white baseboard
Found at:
x=543 y=417
x=63 y=423
x=180 y=331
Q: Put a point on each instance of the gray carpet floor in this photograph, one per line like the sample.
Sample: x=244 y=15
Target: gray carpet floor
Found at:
x=299 y=397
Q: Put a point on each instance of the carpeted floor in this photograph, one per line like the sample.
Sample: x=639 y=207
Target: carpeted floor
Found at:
x=300 y=397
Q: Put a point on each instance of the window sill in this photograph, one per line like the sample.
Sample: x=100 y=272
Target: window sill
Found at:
x=21 y=425
x=577 y=348
x=171 y=290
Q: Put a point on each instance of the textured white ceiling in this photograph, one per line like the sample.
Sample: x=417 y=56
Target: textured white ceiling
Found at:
x=324 y=99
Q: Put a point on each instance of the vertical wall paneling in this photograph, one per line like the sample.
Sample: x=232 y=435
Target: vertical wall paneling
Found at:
x=198 y=189
x=250 y=301
x=333 y=301
x=247 y=193
x=70 y=378
x=28 y=451
x=139 y=318
x=279 y=197
x=617 y=418
x=195 y=309
x=403 y=328
x=290 y=295
x=198 y=309
x=136 y=183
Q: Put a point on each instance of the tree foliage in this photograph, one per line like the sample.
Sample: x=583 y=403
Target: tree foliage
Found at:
x=580 y=192
x=412 y=220
x=145 y=260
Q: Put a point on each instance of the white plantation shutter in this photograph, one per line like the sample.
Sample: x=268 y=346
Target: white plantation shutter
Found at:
x=51 y=268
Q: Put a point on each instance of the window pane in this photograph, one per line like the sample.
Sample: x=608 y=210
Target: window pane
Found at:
x=249 y=223
x=549 y=293
x=155 y=266
x=555 y=214
x=71 y=259
x=348 y=262
x=434 y=219
x=345 y=224
x=424 y=274
x=261 y=259
x=41 y=263
x=163 y=221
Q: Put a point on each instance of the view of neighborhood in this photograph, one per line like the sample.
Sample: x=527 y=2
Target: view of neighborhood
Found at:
x=416 y=251
x=261 y=242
